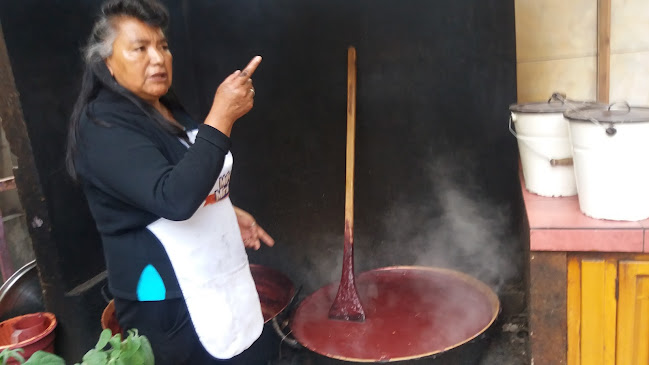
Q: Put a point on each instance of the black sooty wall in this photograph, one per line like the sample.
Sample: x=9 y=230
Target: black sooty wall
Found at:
x=436 y=167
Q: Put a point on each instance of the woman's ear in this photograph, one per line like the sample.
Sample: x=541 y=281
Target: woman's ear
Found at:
x=110 y=69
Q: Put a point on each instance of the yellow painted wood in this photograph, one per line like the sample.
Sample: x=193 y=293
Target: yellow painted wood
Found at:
x=642 y=320
x=592 y=310
x=633 y=313
x=610 y=311
x=626 y=305
x=574 y=310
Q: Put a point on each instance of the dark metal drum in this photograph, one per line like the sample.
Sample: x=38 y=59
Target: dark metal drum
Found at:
x=21 y=293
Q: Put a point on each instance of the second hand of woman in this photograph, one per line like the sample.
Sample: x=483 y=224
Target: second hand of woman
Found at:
x=251 y=233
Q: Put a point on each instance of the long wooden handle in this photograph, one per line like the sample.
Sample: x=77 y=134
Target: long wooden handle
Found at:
x=347 y=304
x=351 y=135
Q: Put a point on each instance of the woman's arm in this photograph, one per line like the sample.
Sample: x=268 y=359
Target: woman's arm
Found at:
x=130 y=167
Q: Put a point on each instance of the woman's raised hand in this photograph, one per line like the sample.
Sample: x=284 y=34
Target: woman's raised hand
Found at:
x=233 y=99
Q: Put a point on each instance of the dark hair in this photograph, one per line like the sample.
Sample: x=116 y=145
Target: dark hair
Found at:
x=96 y=75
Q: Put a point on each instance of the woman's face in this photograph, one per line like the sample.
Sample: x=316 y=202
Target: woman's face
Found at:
x=141 y=60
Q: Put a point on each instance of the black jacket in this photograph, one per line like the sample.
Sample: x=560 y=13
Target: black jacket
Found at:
x=133 y=173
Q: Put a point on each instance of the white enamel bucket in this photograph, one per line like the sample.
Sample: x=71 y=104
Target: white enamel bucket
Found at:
x=610 y=151
x=544 y=146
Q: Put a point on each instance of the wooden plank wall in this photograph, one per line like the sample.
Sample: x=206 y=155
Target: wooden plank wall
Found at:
x=603 y=50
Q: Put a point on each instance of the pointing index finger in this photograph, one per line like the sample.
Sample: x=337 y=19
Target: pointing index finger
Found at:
x=250 y=68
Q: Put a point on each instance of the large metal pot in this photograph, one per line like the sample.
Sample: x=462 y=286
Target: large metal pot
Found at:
x=414 y=315
x=276 y=291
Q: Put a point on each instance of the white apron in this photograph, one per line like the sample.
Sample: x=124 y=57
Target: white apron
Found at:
x=211 y=264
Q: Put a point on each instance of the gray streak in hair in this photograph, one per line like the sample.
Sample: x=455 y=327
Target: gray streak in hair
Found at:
x=100 y=44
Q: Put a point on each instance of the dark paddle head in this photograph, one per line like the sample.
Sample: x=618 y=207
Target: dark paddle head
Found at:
x=347 y=304
x=346 y=307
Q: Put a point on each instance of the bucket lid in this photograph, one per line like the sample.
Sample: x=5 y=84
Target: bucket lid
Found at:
x=553 y=105
x=614 y=113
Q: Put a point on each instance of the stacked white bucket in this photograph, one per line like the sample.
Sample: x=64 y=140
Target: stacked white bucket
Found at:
x=544 y=146
x=597 y=151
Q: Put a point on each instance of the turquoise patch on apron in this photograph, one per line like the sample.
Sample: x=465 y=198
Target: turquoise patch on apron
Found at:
x=150 y=287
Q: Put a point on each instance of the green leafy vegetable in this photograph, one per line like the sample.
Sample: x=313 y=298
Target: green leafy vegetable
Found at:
x=109 y=350
x=44 y=358
x=112 y=350
x=8 y=354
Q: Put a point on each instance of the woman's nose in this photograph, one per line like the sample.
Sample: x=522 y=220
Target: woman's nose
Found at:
x=156 y=55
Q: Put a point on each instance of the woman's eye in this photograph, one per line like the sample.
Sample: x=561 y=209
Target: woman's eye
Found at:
x=140 y=49
x=165 y=47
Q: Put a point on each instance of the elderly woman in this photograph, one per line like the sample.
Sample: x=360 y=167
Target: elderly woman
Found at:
x=157 y=184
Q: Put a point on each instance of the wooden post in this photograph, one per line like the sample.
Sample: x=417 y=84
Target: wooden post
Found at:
x=78 y=311
x=603 y=50
x=547 y=306
x=26 y=175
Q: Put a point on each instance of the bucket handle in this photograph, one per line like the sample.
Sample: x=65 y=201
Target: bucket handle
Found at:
x=624 y=103
x=557 y=96
x=567 y=161
x=610 y=130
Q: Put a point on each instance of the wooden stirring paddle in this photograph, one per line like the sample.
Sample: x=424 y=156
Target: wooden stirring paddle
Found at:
x=347 y=305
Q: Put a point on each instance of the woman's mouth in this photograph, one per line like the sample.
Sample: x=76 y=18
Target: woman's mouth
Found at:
x=158 y=77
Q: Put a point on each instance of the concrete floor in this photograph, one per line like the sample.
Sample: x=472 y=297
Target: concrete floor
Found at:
x=509 y=346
